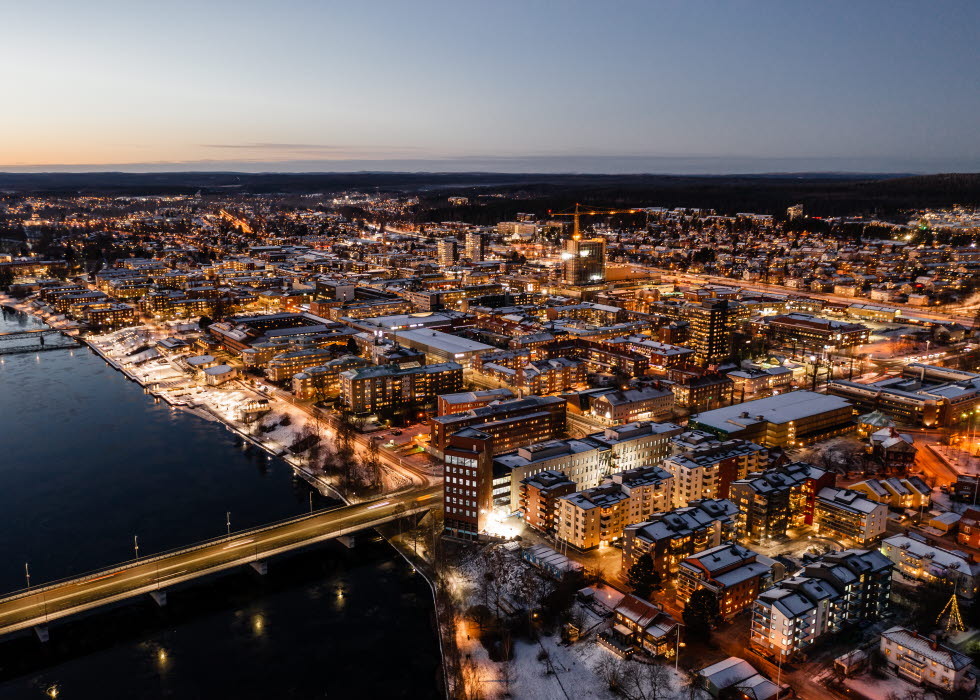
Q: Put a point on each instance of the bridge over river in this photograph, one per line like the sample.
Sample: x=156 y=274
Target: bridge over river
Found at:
x=36 y=606
x=33 y=341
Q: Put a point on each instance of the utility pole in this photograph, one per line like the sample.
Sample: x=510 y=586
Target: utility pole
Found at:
x=311 y=502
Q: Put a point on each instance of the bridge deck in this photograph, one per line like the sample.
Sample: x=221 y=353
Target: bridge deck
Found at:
x=50 y=602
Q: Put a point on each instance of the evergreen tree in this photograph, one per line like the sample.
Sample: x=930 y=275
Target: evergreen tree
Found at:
x=643 y=578
x=701 y=612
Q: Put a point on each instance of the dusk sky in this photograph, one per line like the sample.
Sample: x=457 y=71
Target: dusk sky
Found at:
x=680 y=86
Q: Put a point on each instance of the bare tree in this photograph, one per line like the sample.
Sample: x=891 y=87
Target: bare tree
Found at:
x=642 y=681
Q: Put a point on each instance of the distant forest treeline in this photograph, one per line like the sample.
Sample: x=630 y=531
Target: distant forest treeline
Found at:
x=821 y=195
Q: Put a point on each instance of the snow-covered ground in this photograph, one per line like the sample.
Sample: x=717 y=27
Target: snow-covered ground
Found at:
x=544 y=669
x=880 y=688
x=171 y=381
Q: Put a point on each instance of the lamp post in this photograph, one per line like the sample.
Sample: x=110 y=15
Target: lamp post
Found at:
x=228 y=521
x=136 y=545
x=677 y=649
x=27 y=573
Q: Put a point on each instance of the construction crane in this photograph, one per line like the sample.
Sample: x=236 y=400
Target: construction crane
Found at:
x=589 y=211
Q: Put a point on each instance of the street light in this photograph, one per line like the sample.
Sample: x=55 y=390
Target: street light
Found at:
x=677 y=648
x=136 y=545
x=228 y=521
x=27 y=572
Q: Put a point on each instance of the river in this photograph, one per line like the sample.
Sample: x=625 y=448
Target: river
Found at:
x=88 y=462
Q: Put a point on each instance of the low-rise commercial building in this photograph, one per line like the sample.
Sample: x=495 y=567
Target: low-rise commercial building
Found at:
x=627 y=405
x=924 y=396
x=794 y=419
x=814 y=333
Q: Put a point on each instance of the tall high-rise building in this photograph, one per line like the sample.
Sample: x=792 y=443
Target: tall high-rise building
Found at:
x=476 y=247
x=712 y=323
x=584 y=261
x=448 y=251
x=468 y=484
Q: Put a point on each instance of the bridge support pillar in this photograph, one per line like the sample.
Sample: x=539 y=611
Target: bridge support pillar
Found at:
x=347 y=540
x=261 y=567
x=159 y=597
x=42 y=633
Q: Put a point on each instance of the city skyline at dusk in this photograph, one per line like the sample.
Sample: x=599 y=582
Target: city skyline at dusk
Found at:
x=523 y=87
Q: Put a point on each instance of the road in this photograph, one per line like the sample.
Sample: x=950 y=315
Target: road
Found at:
x=927 y=461
x=49 y=602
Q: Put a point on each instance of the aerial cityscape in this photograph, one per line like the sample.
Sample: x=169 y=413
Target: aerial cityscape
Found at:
x=536 y=353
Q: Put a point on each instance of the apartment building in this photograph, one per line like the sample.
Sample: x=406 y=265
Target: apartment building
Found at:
x=709 y=470
x=627 y=405
x=842 y=588
x=512 y=423
x=598 y=516
x=105 y=315
x=323 y=381
x=848 y=515
x=776 y=500
x=813 y=333
x=468 y=400
x=389 y=386
x=467 y=485
x=733 y=573
x=588 y=460
x=671 y=536
x=712 y=323
x=969 y=528
x=539 y=498
x=282 y=367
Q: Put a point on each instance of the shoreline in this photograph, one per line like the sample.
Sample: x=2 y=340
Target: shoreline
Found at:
x=204 y=412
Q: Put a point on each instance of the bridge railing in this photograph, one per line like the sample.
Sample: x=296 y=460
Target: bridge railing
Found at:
x=80 y=578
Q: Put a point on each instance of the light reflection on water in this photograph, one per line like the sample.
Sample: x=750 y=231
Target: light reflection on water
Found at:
x=87 y=461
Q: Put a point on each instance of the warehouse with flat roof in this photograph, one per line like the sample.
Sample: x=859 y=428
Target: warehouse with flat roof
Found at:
x=792 y=419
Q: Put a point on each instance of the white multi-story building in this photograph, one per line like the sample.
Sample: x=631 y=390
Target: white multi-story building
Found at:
x=586 y=461
x=925 y=562
x=926 y=662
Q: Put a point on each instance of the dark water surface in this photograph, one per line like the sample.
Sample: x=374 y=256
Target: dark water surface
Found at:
x=88 y=461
